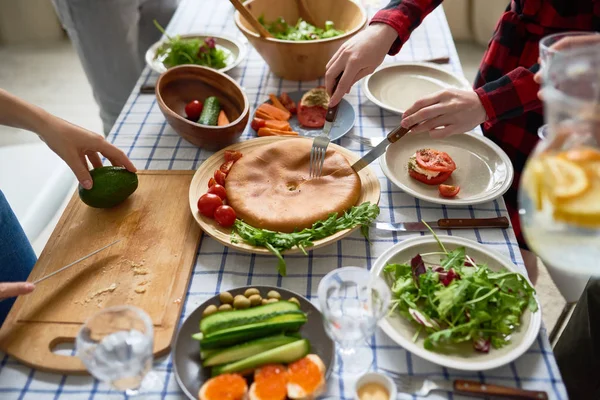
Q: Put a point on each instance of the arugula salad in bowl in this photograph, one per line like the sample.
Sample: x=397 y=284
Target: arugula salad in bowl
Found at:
x=457 y=303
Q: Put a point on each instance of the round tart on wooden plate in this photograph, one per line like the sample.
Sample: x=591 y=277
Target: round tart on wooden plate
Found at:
x=269 y=188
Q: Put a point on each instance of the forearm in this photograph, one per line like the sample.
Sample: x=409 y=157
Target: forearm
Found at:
x=510 y=96
x=404 y=16
x=17 y=113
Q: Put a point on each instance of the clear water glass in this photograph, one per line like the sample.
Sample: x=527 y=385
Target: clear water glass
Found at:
x=115 y=345
x=352 y=303
x=546 y=51
x=559 y=195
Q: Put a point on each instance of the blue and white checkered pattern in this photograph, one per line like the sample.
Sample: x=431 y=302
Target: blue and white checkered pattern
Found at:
x=143 y=133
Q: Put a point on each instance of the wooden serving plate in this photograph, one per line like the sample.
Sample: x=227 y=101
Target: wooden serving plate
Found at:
x=370 y=191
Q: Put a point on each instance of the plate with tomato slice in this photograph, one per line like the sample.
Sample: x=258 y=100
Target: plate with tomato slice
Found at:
x=458 y=170
x=309 y=121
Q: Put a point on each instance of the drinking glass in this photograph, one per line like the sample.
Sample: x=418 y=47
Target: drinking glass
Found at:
x=116 y=347
x=559 y=194
x=352 y=303
x=547 y=53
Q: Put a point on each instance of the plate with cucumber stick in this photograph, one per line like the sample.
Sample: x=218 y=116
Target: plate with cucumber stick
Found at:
x=253 y=340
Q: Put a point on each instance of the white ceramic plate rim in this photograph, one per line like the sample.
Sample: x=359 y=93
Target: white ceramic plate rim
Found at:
x=156 y=67
x=370 y=96
x=469 y=201
x=471 y=365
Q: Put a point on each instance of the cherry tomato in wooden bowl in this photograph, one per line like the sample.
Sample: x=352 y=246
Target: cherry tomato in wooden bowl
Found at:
x=193 y=109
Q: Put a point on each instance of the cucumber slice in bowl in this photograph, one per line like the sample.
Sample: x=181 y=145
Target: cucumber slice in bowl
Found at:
x=245 y=350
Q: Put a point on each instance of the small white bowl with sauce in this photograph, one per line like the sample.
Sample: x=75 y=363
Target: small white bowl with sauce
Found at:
x=375 y=386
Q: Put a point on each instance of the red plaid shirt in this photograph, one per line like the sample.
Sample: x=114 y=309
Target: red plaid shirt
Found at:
x=505 y=80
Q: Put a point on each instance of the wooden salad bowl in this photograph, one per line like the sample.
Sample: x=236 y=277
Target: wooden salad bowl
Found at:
x=302 y=60
x=179 y=85
x=370 y=191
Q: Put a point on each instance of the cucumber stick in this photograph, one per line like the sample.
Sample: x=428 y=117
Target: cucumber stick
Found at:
x=245 y=350
x=210 y=111
x=280 y=355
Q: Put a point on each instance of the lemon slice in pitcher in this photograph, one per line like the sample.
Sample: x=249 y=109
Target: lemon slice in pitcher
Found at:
x=533 y=181
x=564 y=180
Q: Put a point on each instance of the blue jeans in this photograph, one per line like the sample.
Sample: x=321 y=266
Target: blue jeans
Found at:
x=16 y=254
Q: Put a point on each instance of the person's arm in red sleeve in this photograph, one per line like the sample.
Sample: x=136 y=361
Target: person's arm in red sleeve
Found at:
x=404 y=16
x=510 y=96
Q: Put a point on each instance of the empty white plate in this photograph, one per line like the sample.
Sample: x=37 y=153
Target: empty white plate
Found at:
x=396 y=87
x=483 y=170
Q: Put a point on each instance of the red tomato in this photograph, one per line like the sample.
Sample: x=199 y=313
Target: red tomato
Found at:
x=448 y=190
x=218 y=190
x=220 y=177
x=208 y=203
x=226 y=166
x=435 y=160
x=193 y=109
x=441 y=178
x=211 y=182
x=225 y=216
x=288 y=103
x=257 y=123
x=312 y=117
x=232 y=155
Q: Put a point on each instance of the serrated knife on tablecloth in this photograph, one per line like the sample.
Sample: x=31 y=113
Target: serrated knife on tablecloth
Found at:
x=445 y=223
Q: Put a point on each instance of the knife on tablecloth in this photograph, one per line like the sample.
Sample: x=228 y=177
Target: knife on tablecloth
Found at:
x=378 y=150
x=445 y=223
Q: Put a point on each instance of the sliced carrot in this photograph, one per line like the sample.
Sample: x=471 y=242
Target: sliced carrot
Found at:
x=275 y=132
x=275 y=112
x=277 y=103
x=222 y=119
x=263 y=115
x=279 y=125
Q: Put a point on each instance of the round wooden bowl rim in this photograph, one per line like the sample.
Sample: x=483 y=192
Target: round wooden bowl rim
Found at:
x=368 y=179
x=347 y=34
x=172 y=113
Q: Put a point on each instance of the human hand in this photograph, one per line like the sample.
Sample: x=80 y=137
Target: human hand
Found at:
x=14 y=289
x=357 y=58
x=445 y=113
x=73 y=144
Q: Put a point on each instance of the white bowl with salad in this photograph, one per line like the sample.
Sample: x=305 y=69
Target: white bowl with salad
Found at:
x=219 y=52
x=458 y=303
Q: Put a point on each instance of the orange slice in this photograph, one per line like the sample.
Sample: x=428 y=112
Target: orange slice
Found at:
x=270 y=383
x=582 y=154
x=224 y=387
x=583 y=210
x=564 y=179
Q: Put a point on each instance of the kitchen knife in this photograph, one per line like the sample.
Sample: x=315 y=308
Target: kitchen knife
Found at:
x=445 y=223
x=378 y=150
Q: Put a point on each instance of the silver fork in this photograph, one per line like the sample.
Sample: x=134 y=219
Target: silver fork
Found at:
x=423 y=386
x=320 y=143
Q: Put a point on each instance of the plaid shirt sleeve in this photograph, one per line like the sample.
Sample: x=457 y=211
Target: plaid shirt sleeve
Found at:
x=510 y=96
x=404 y=16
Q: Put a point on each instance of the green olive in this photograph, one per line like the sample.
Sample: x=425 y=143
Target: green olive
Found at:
x=209 y=310
x=250 y=292
x=255 y=300
x=225 y=307
x=226 y=298
x=273 y=294
x=264 y=301
x=272 y=300
x=294 y=300
x=241 y=302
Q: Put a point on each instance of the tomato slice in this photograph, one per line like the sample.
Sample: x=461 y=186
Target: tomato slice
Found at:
x=220 y=177
x=211 y=182
x=435 y=160
x=226 y=166
x=232 y=155
x=441 y=178
x=312 y=117
x=257 y=123
x=448 y=190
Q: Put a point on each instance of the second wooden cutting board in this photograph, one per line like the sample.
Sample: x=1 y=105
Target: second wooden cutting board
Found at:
x=150 y=269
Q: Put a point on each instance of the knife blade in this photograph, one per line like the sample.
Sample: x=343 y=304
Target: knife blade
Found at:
x=445 y=223
x=75 y=262
x=378 y=150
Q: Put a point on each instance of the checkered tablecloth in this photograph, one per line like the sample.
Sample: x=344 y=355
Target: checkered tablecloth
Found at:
x=143 y=133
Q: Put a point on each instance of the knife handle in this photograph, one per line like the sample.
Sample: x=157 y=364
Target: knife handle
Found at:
x=500 y=222
x=483 y=389
x=332 y=111
x=398 y=133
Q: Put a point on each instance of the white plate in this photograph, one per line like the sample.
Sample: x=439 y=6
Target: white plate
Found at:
x=401 y=330
x=395 y=87
x=484 y=171
x=237 y=51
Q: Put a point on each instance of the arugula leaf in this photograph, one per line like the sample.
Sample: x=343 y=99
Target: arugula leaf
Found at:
x=455 y=259
x=278 y=242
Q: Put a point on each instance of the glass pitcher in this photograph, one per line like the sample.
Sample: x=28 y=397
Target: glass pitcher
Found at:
x=559 y=194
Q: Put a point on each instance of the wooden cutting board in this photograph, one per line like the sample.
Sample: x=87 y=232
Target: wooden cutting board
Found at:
x=150 y=268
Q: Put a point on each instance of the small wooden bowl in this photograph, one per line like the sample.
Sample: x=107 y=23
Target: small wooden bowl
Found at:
x=180 y=85
x=302 y=60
